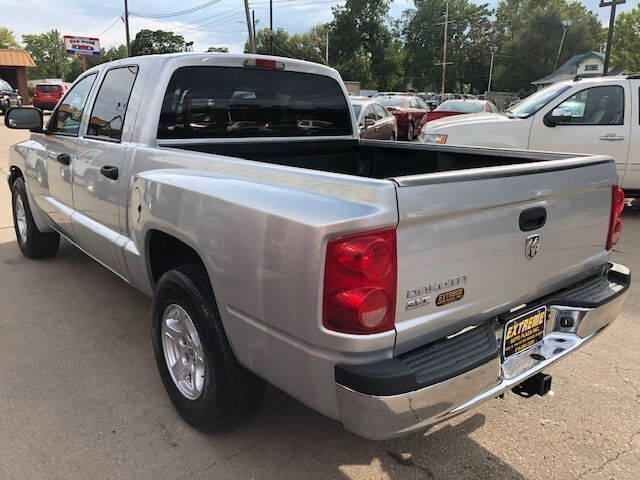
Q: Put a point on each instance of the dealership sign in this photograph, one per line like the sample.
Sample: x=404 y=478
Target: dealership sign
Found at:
x=81 y=45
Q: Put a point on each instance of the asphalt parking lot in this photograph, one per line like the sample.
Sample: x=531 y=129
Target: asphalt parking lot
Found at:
x=81 y=399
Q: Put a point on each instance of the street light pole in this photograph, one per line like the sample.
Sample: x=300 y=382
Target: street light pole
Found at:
x=612 y=22
x=271 y=25
x=565 y=26
x=494 y=49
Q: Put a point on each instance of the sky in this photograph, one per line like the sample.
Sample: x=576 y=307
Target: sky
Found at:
x=222 y=23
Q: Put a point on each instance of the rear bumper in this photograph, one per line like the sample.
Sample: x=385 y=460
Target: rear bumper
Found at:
x=368 y=409
x=45 y=105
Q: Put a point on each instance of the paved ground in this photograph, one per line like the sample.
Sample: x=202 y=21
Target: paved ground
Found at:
x=80 y=397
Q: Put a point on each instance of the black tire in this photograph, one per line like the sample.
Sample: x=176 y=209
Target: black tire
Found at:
x=410 y=132
x=37 y=244
x=230 y=392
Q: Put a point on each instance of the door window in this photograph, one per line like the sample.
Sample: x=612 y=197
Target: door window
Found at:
x=596 y=106
x=66 y=119
x=369 y=114
x=110 y=107
x=380 y=111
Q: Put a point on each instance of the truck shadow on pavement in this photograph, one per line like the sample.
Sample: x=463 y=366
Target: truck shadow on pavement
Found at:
x=84 y=340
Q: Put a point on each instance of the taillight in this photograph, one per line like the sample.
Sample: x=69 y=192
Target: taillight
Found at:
x=615 y=224
x=360 y=283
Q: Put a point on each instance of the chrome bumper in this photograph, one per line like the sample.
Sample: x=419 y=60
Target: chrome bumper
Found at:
x=381 y=417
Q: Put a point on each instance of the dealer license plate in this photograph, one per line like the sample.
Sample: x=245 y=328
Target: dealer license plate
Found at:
x=524 y=331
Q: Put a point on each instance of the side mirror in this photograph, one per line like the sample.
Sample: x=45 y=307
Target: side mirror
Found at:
x=557 y=116
x=24 y=118
x=369 y=122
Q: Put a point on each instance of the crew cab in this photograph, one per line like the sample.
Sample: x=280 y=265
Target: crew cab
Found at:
x=384 y=284
x=596 y=115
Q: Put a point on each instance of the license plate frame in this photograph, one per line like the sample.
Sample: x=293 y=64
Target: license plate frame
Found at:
x=516 y=339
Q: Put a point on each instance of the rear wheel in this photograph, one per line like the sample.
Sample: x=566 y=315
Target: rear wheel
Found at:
x=205 y=382
x=32 y=242
x=410 y=132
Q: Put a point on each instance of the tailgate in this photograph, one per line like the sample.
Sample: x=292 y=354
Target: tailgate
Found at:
x=462 y=255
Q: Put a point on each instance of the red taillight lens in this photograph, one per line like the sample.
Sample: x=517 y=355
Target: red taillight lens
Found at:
x=360 y=283
x=615 y=224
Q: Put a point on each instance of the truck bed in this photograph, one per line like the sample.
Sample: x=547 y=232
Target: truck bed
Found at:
x=366 y=158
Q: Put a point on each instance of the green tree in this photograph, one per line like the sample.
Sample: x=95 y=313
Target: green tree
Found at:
x=469 y=36
x=308 y=46
x=625 y=48
x=46 y=50
x=218 y=49
x=7 y=40
x=528 y=34
x=362 y=46
x=148 y=42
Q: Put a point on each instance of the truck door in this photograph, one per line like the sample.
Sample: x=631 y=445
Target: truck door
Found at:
x=99 y=189
x=51 y=168
x=600 y=123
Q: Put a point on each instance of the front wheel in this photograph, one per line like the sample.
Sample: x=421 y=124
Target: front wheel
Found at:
x=32 y=242
x=410 y=132
x=203 y=379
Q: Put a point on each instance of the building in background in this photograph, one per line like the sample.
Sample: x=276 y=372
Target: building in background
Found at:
x=13 y=69
x=590 y=63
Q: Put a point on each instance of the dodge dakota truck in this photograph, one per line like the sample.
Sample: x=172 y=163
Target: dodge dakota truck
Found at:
x=387 y=285
x=593 y=115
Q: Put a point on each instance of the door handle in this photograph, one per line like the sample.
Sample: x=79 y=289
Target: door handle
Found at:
x=64 y=158
x=110 y=172
x=533 y=218
x=612 y=137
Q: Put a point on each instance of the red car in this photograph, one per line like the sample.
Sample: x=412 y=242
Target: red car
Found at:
x=408 y=111
x=47 y=95
x=458 y=107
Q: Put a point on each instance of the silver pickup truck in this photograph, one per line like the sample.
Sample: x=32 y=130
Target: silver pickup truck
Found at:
x=387 y=285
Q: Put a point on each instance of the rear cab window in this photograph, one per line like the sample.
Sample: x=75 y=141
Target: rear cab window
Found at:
x=233 y=102
x=48 y=88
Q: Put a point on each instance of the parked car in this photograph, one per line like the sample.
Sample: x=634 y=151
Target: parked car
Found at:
x=408 y=112
x=8 y=97
x=589 y=115
x=374 y=121
x=387 y=285
x=437 y=98
x=387 y=94
x=457 y=107
x=46 y=95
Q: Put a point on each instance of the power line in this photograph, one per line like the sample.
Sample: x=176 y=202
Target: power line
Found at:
x=109 y=27
x=174 y=14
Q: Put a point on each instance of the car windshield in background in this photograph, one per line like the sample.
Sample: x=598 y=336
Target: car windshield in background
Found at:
x=535 y=102
x=5 y=87
x=392 y=102
x=462 y=106
x=47 y=88
x=356 y=108
x=231 y=102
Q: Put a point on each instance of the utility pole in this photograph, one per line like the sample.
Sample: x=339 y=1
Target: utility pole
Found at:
x=494 y=50
x=444 y=50
x=565 y=26
x=253 y=23
x=252 y=43
x=326 y=47
x=271 y=25
x=126 y=26
x=612 y=22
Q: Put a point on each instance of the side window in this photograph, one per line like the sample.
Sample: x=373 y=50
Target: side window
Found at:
x=421 y=104
x=380 y=111
x=66 y=119
x=370 y=114
x=110 y=107
x=596 y=106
